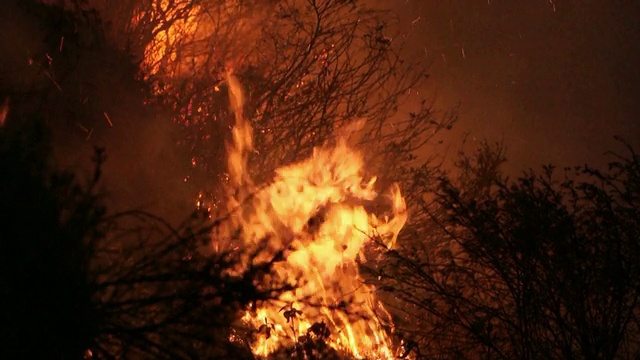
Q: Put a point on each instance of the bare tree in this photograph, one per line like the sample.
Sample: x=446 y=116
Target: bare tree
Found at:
x=528 y=269
x=310 y=67
x=163 y=293
x=78 y=282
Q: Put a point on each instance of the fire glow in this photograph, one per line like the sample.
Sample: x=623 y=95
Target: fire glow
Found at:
x=160 y=52
x=316 y=212
x=320 y=213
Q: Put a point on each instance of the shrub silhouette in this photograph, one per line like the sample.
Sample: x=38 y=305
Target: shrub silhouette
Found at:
x=48 y=223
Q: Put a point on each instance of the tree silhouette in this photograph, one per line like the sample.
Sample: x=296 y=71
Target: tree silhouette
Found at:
x=309 y=69
x=84 y=282
x=537 y=267
x=79 y=282
x=49 y=223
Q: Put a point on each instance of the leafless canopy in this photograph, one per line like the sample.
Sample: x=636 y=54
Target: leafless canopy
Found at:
x=542 y=266
x=309 y=67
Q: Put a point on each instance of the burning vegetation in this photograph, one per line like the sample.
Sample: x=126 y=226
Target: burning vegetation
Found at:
x=313 y=215
x=313 y=212
x=302 y=244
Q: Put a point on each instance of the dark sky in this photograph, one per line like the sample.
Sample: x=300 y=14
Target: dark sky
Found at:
x=556 y=80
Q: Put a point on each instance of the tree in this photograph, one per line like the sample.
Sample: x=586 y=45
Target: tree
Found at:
x=64 y=66
x=49 y=223
x=152 y=290
x=309 y=68
x=78 y=280
x=532 y=268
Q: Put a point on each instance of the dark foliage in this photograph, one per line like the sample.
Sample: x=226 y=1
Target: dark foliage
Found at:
x=78 y=282
x=49 y=223
x=538 y=267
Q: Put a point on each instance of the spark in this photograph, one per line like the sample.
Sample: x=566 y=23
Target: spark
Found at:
x=106 y=116
x=53 y=81
x=61 y=44
x=4 y=110
x=31 y=62
x=463 y=55
x=82 y=127
x=3 y=115
x=415 y=21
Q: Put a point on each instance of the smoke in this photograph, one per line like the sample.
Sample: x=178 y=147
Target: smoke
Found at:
x=556 y=83
x=19 y=39
x=86 y=91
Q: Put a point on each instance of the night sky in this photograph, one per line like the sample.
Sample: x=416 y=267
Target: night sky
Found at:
x=556 y=80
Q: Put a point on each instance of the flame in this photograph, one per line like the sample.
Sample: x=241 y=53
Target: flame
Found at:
x=321 y=211
x=175 y=21
x=189 y=39
x=317 y=211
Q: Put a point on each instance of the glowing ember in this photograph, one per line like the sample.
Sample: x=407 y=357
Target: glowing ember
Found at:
x=187 y=38
x=316 y=211
x=175 y=20
x=4 y=110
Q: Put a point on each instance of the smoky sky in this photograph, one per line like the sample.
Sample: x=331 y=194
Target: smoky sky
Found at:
x=143 y=168
x=556 y=80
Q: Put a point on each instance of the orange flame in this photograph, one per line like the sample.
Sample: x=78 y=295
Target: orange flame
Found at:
x=319 y=210
x=190 y=39
x=174 y=21
x=316 y=210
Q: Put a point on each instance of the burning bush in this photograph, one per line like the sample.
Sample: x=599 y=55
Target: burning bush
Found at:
x=313 y=216
x=309 y=68
x=79 y=282
x=276 y=268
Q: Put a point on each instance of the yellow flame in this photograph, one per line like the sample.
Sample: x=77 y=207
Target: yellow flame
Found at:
x=316 y=209
x=174 y=21
x=319 y=210
x=190 y=39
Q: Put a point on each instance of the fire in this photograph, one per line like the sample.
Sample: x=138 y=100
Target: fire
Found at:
x=188 y=39
x=320 y=211
x=175 y=20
